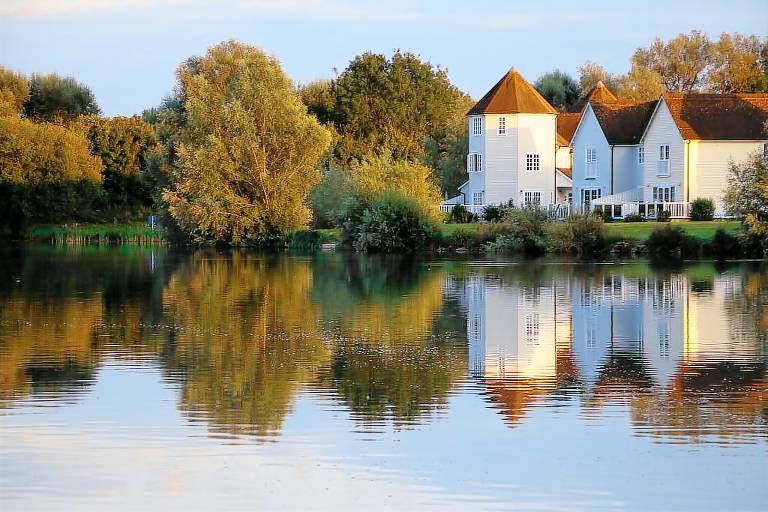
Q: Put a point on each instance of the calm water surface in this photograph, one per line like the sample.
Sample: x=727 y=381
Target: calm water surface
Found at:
x=135 y=379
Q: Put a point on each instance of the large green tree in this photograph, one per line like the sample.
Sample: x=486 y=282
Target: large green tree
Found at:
x=559 y=89
x=394 y=103
x=14 y=91
x=56 y=98
x=248 y=151
x=747 y=192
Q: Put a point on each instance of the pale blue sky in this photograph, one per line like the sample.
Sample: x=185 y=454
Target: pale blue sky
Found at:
x=127 y=50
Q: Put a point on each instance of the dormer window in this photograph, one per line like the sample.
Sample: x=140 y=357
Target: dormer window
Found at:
x=477 y=125
x=502 y=126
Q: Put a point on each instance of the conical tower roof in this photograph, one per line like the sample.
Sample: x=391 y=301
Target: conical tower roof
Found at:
x=597 y=94
x=512 y=95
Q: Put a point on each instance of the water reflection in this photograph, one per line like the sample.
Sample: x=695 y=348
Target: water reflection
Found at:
x=242 y=335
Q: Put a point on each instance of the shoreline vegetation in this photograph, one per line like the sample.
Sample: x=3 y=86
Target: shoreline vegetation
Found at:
x=238 y=155
x=721 y=239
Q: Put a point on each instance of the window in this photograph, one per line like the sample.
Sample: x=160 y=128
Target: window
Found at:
x=532 y=199
x=640 y=154
x=502 y=126
x=588 y=195
x=590 y=158
x=474 y=162
x=477 y=198
x=663 y=194
x=662 y=168
x=765 y=150
x=477 y=126
x=532 y=162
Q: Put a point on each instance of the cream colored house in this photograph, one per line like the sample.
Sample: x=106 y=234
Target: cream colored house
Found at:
x=628 y=162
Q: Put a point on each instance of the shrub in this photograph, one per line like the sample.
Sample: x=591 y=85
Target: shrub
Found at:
x=671 y=242
x=634 y=217
x=583 y=235
x=460 y=215
x=475 y=237
x=752 y=245
x=391 y=223
x=723 y=245
x=702 y=209
x=604 y=214
x=663 y=216
x=527 y=233
x=496 y=213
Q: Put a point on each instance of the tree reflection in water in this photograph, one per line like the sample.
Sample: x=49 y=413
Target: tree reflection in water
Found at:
x=242 y=334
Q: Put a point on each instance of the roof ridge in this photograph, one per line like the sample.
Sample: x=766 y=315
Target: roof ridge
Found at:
x=512 y=94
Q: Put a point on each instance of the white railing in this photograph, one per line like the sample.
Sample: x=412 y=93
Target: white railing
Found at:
x=446 y=207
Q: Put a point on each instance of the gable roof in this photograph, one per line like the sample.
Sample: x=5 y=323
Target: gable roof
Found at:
x=566 y=125
x=623 y=123
x=512 y=95
x=719 y=116
x=597 y=94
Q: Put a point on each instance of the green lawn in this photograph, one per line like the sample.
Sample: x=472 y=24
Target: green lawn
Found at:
x=702 y=230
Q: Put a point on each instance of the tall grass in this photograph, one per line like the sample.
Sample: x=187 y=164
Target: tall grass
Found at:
x=137 y=233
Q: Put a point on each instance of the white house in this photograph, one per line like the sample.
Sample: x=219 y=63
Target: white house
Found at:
x=639 y=157
x=513 y=146
x=606 y=147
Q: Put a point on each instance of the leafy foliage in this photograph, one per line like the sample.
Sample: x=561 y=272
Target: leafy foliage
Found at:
x=527 y=233
x=747 y=192
x=559 y=89
x=14 y=91
x=583 y=235
x=702 y=209
x=390 y=223
x=56 y=98
x=460 y=215
x=671 y=242
x=247 y=152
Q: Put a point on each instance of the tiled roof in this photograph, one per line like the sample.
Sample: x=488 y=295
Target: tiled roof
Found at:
x=623 y=123
x=566 y=171
x=598 y=94
x=719 y=116
x=512 y=95
x=566 y=125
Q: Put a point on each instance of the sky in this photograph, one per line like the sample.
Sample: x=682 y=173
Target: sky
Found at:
x=126 y=51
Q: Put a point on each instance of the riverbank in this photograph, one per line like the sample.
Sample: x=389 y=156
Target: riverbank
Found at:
x=138 y=233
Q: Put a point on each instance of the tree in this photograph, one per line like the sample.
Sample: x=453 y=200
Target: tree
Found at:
x=640 y=84
x=14 y=91
x=392 y=103
x=124 y=145
x=681 y=62
x=318 y=97
x=248 y=150
x=747 y=192
x=559 y=89
x=736 y=65
x=53 y=98
x=47 y=174
x=591 y=73
x=446 y=155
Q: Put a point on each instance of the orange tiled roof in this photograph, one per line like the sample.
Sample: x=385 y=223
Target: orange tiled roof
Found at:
x=566 y=125
x=598 y=94
x=565 y=170
x=512 y=95
x=719 y=116
x=623 y=123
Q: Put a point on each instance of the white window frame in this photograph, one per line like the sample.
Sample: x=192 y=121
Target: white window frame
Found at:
x=502 y=126
x=532 y=162
x=664 y=194
x=641 y=155
x=588 y=195
x=765 y=149
x=590 y=161
x=475 y=162
x=478 y=198
x=663 y=165
x=531 y=198
x=477 y=125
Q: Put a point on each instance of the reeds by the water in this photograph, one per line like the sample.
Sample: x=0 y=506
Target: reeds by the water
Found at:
x=137 y=233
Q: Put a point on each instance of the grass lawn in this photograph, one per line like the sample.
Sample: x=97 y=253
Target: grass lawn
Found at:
x=702 y=230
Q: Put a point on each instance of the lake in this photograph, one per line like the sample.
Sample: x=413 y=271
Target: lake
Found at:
x=142 y=378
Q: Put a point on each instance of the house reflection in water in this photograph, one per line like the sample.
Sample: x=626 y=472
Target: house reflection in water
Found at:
x=662 y=343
